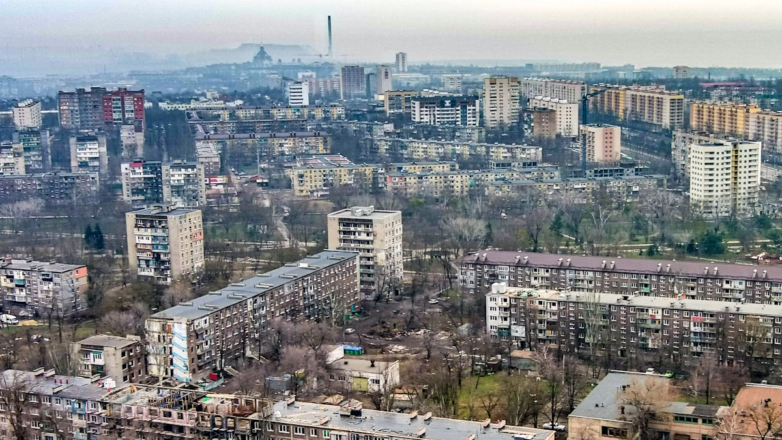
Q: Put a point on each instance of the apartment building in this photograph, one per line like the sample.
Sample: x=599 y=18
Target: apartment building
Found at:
x=165 y=242
x=94 y=108
x=681 y=72
x=460 y=183
x=54 y=188
x=131 y=138
x=43 y=288
x=603 y=142
x=325 y=86
x=398 y=102
x=694 y=280
x=539 y=123
x=724 y=178
x=566 y=113
x=452 y=82
x=680 y=149
x=651 y=104
x=266 y=146
x=121 y=359
x=620 y=188
x=766 y=126
x=41 y=404
x=207 y=155
x=401 y=62
x=383 y=79
x=298 y=93
x=640 y=328
x=89 y=155
x=36 y=149
x=178 y=183
x=721 y=117
x=500 y=102
x=462 y=111
x=11 y=160
x=191 y=414
x=425 y=149
x=377 y=236
x=27 y=114
x=260 y=119
x=353 y=82
x=606 y=412
x=186 y=341
x=557 y=89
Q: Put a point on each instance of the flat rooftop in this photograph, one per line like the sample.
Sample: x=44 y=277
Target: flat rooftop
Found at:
x=108 y=341
x=163 y=212
x=261 y=135
x=45 y=266
x=363 y=212
x=438 y=142
x=694 y=269
x=390 y=424
x=238 y=292
x=360 y=365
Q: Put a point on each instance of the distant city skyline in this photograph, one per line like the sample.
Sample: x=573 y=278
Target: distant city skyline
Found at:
x=663 y=33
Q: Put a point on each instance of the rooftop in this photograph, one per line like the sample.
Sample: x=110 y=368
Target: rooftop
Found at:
x=360 y=365
x=109 y=341
x=163 y=211
x=364 y=212
x=39 y=382
x=390 y=423
x=238 y=292
x=38 y=265
x=637 y=265
x=438 y=142
x=260 y=135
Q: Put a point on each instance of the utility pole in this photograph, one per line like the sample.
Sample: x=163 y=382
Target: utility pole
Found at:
x=585 y=119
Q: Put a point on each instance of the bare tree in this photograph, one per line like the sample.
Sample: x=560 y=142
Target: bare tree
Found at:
x=489 y=403
x=765 y=419
x=662 y=204
x=16 y=385
x=535 y=221
x=574 y=380
x=643 y=400
x=523 y=399
x=554 y=388
x=731 y=423
x=179 y=291
x=730 y=380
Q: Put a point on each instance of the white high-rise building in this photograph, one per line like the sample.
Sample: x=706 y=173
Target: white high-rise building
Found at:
x=724 y=178
x=298 y=93
x=452 y=82
x=567 y=113
x=89 y=154
x=446 y=110
x=383 y=79
x=27 y=114
x=603 y=142
x=570 y=91
x=401 y=62
x=377 y=236
x=500 y=101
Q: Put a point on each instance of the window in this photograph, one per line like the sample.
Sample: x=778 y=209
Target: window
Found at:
x=313 y=432
x=685 y=419
x=298 y=430
x=614 y=432
x=284 y=428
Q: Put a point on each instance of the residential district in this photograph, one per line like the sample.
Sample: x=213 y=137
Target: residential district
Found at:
x=290 y=246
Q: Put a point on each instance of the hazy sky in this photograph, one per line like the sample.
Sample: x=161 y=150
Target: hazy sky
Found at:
x=642 y=32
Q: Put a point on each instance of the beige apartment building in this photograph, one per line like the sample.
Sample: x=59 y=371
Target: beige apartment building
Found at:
x=187 y=341
x=377 y=236
x=120 y=358
x=268 y=145
x=46 y=288
x=681 y=72
x=721 y=117
x=424 y=149
x=603 y=142
x=565 y=90
x=27 y=114
x=680 y=149
x=650 y=104
x=399 y=101
x=459 y=183
x=766 y=126
x=165 y=243
x=500 y=101
x=724 y=178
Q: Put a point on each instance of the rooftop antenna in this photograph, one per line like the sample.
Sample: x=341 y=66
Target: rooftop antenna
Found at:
x=330 y=53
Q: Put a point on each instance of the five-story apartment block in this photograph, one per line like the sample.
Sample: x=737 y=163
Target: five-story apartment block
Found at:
x=120 y=358
x=43 y=288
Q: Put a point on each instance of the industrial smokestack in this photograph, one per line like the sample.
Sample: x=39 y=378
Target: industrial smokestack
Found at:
x=330 y=53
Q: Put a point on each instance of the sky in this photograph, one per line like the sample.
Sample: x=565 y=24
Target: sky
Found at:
x=738 y=33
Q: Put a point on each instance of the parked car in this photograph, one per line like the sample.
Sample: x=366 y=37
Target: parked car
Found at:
x=9 y=320
x=554 y=426
x=350 y=331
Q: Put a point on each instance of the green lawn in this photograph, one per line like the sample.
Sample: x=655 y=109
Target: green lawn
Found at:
x=473 y=389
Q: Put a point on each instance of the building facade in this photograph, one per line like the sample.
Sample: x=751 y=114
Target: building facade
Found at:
x=97 y=107
x=721 y=117
x=539 y=123
x=165 y=243
x=207 y=154
x=681 y=72
x=566 y=117
x=452 y=82
x=27 y=114
x=186 y=341
x=603 y=142
x=120 y=358
x=89 y=154
x=124 y=107
x=500 y=102
x=11 y=160
x=178 y=183
x=53 y=188
x=267 y=146
x=377 y=236
x=650 y=104
x=766 y=126
x=562 y=90
x=724 y=178
x=353 y=82
x=723 y=283
x=43 y=288
x=383 y=78
x=399 y=102
x=462 y=111
x=401 y=62
x=423 y=149
x=298 y=93
x=35 y=146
